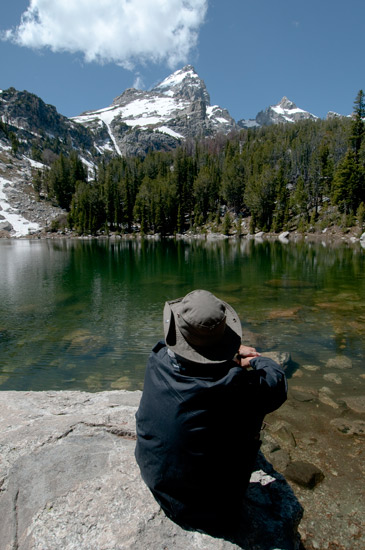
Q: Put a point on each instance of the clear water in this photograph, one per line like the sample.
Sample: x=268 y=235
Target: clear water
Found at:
x=84 y=314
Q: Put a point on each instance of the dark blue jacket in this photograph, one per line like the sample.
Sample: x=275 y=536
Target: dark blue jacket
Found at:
x=198 y=432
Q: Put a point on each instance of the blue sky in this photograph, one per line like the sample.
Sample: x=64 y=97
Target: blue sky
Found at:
x=250 y=53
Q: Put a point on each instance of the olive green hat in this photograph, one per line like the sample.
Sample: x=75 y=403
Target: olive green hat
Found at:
x=202 y=328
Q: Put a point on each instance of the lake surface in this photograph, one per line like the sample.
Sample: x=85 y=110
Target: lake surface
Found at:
x=84 y=314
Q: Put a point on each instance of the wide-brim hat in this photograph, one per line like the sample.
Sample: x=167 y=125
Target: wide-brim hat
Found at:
x=202 y=328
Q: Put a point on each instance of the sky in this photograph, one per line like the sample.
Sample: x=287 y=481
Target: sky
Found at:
x=78 y=55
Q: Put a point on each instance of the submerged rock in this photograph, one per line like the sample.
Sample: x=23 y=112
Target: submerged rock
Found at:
x=324 y=395
x=312 y=368
x=301 y=395
x=349 y=427
x=339 y=362
x=332 y=377
x=356 y=404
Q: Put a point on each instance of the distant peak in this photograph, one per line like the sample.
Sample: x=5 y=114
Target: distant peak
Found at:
x=178 y=77
x=184 y=83
x=285 y=103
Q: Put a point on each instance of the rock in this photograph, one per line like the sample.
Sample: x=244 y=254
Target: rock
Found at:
x=312 y=368
x=324 y=397
x=6 y=226
x=362 y=238
x=301 y=395
x=284 y=237
x=283 y=358
x=339 y=362
x=282 y=432
x=280 y=460
x=332 y=377
x=356 y=404
x=283 y=313
x=254 y=339
x=304 y=474
x=69 y=481
x=349 y=427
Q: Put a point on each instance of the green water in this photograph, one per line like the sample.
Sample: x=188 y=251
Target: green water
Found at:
x=84 y=314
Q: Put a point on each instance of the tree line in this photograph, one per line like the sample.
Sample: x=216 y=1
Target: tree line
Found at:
x=282 y=176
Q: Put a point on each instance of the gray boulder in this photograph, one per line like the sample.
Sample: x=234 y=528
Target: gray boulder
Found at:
x=69 y=481
x=6 y=226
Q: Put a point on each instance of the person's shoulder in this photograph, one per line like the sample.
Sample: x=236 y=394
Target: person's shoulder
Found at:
x=161 y=345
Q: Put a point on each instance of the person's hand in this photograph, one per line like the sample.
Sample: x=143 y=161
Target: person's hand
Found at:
x=244 y=356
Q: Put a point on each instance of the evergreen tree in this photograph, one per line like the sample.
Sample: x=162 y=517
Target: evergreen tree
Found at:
x=260 y=198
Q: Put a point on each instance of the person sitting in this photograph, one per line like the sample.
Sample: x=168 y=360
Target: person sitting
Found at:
x=198 y=423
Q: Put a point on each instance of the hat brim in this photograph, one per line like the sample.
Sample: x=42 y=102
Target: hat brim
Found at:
x=223 y=351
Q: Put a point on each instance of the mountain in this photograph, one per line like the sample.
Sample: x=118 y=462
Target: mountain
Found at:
x=283 y=112
x=33 y=134
x=38 y=126
x=137 y=121
x=176 y=109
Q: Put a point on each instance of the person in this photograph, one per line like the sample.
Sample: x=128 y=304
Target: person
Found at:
x=198 y=423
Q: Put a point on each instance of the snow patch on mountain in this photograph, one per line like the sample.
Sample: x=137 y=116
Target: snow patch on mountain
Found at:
x=10 y=219
x=167 y=130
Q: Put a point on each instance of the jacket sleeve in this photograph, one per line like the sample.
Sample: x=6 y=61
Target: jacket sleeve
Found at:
x=269 y=381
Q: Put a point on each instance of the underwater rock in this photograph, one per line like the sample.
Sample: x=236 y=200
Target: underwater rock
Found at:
x=356 y=404
x=349 y=427
x=332 y=377
x=339 y=362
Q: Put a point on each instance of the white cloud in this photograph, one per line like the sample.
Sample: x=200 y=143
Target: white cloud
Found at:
x=119 y=31
x=138 y=83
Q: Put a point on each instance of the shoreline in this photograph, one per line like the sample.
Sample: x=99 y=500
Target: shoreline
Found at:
x=333 y=237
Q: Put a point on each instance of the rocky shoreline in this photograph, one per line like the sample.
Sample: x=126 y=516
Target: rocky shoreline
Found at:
x=68 y=479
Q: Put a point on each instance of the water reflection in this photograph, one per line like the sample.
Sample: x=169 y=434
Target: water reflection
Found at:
x=82 y=314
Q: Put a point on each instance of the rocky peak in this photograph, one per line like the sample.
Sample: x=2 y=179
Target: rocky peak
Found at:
x=184 y=84
x=283 y=112
x=285 y=103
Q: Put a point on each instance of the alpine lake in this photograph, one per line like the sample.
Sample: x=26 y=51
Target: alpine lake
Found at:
x=84 y=314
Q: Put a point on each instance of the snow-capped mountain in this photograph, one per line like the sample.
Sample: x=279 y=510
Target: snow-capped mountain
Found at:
x=283 y=112
x=176 y=109
x=33 y=134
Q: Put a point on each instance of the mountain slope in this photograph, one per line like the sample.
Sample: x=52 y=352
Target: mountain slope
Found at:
x=39 y=126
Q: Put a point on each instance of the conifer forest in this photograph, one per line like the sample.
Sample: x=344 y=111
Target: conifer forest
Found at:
x=301 y=176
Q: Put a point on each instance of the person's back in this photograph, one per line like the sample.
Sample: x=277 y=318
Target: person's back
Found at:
x=200 y=414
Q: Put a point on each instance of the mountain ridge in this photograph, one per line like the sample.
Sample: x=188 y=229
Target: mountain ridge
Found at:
x=176 y=109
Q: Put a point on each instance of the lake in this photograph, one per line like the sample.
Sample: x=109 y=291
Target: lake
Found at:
x=84 y=314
